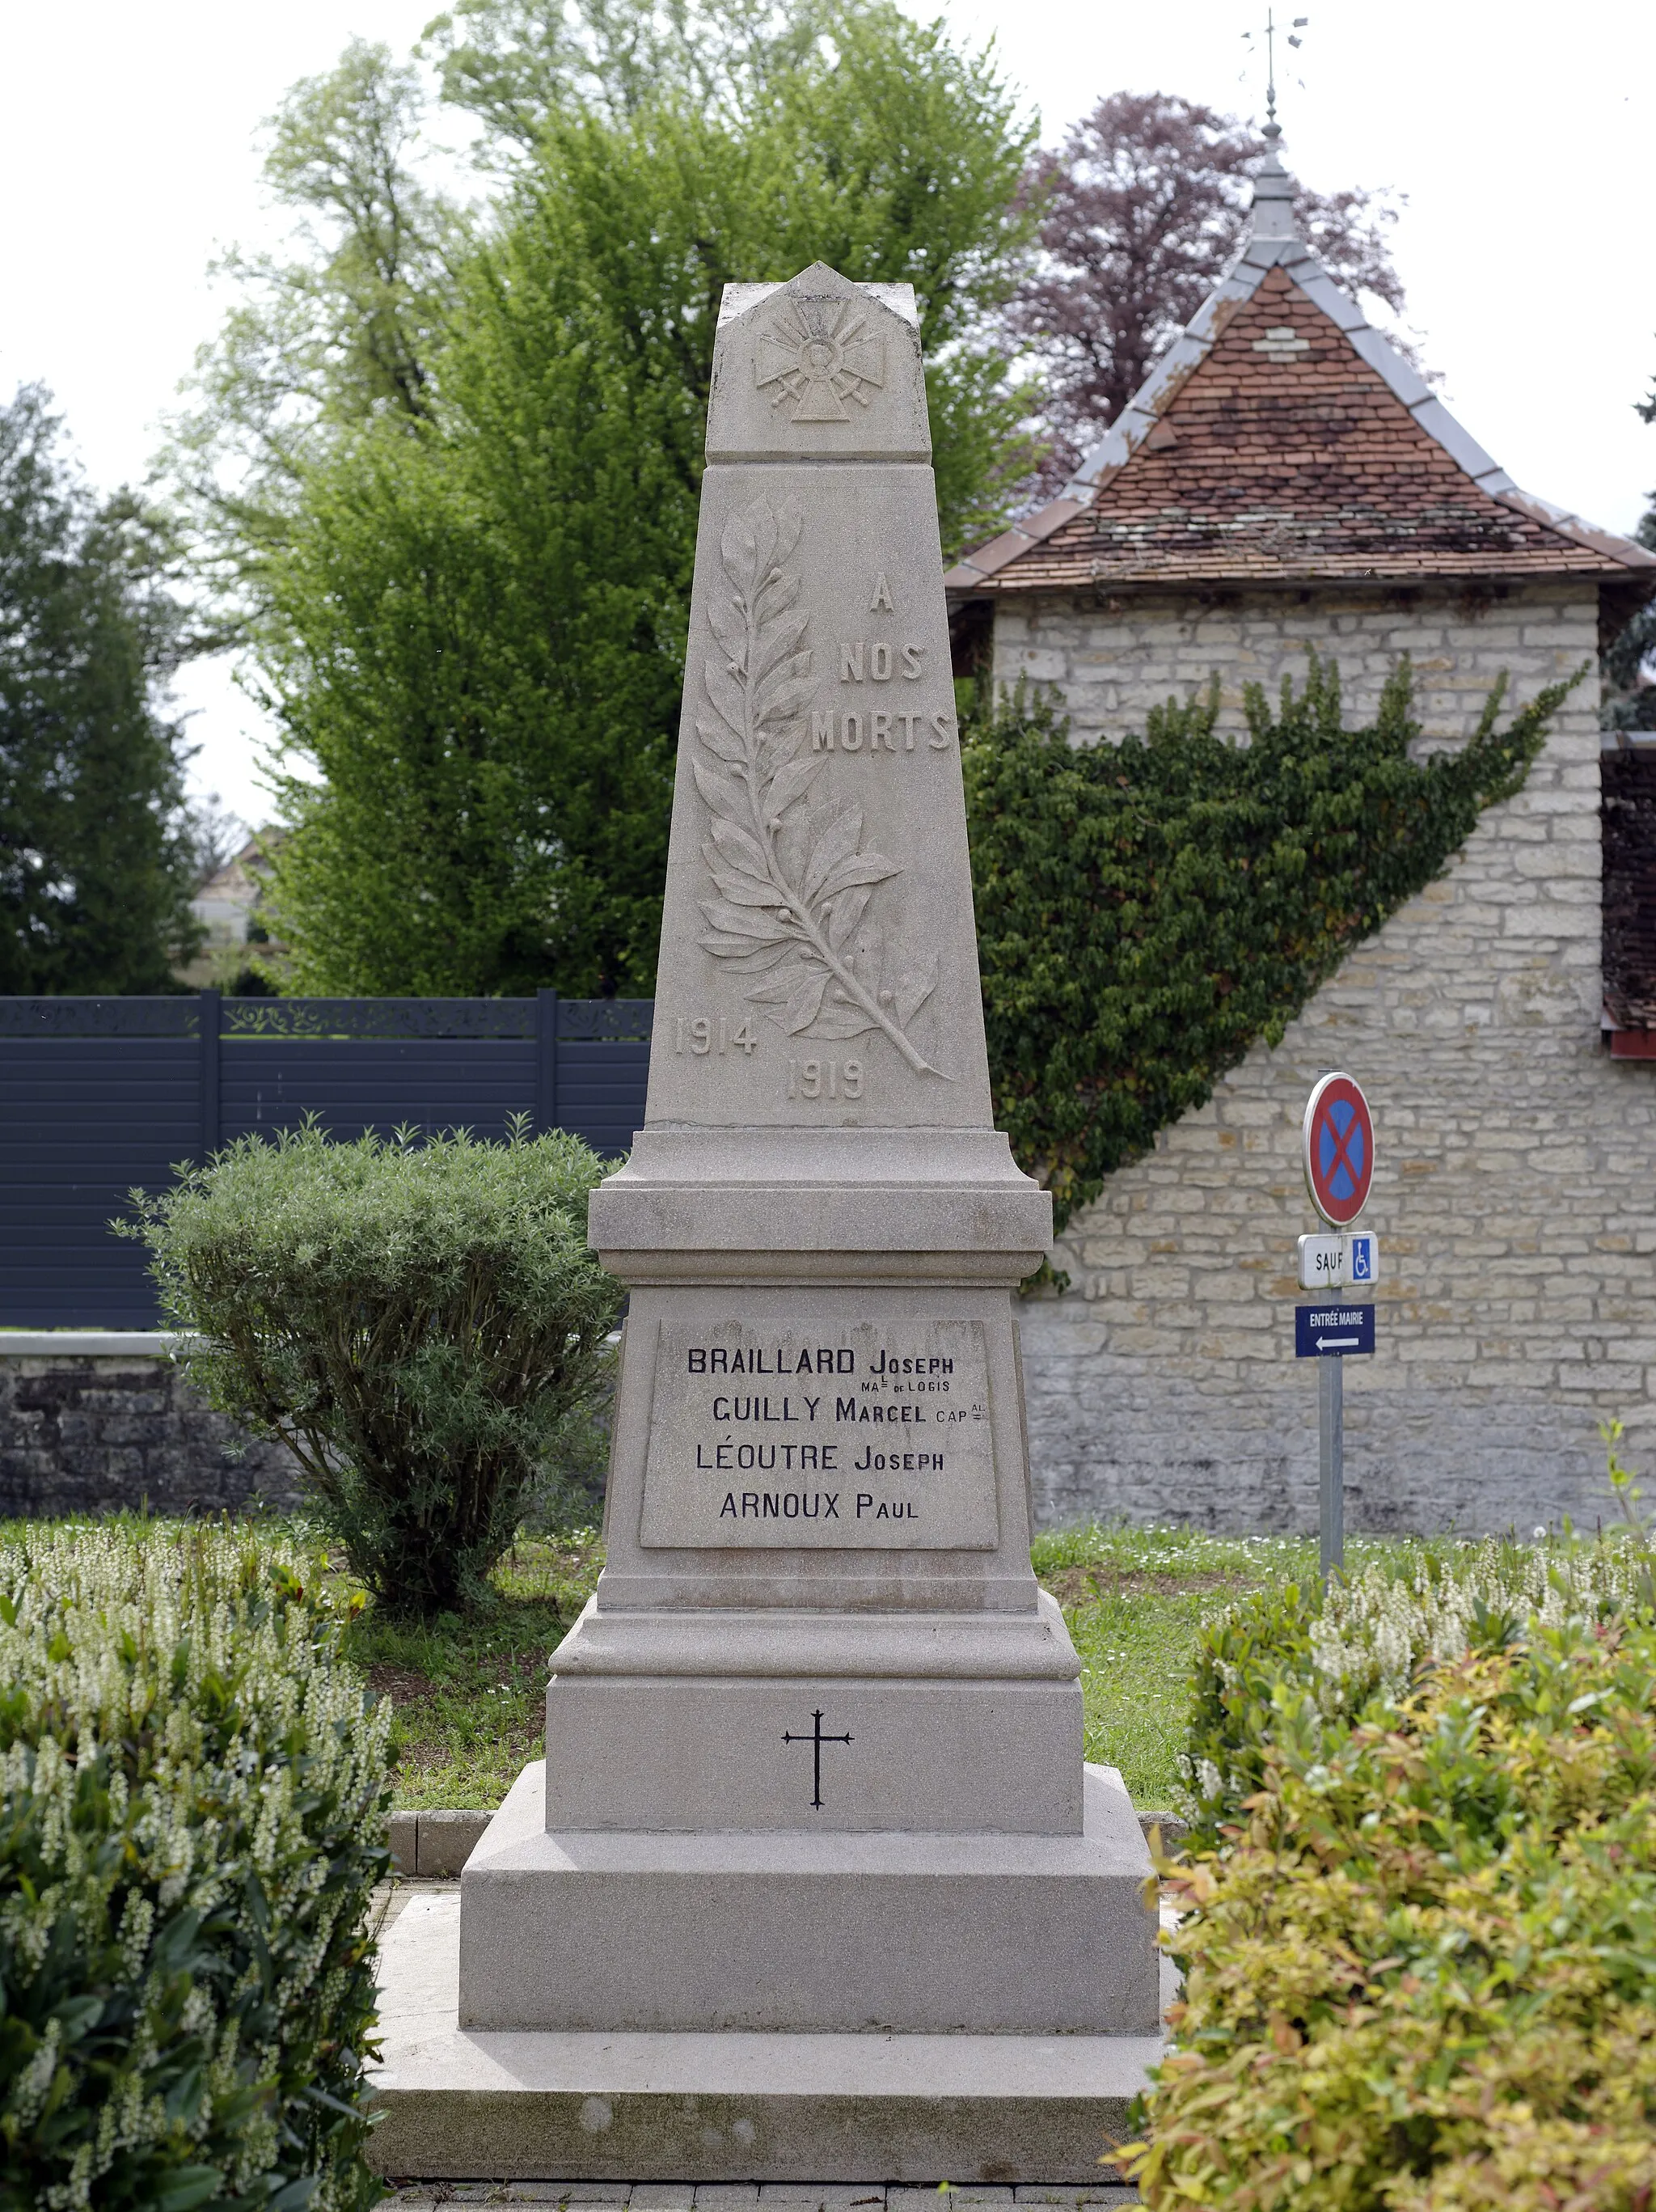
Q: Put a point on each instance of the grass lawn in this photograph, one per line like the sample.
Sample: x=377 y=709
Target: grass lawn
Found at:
x=1134 y=1599
x=467 y=1695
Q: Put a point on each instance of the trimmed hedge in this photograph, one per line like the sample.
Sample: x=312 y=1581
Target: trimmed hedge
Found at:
x=1422 y=1977
x=1419 y=1923
x=192 y=1792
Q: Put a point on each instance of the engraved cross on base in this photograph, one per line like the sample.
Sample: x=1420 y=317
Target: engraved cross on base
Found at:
x=816 y=1739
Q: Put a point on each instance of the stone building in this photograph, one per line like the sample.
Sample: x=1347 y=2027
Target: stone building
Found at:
x=237 y=944
x=1285 y=480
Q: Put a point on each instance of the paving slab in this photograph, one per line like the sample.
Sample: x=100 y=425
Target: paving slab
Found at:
x=939 y=2199
x=820 y=2196
x=1079 y=2199
x=727 y=2196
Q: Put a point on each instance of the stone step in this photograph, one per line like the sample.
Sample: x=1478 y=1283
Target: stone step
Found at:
x=577 y=2116
x=435 y=1847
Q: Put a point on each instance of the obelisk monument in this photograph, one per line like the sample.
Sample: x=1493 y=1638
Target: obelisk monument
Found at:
x=814 y=1751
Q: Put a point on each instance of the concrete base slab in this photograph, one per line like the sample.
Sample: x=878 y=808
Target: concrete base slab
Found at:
x=740 y=2107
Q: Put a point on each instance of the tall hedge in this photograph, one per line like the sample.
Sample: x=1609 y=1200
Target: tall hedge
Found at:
x=1146 y=910
x=192 y=1786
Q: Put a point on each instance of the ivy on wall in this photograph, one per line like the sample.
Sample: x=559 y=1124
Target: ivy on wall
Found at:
x=1146 y=910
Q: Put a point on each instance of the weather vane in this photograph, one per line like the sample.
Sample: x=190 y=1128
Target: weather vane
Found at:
x=1273 y=128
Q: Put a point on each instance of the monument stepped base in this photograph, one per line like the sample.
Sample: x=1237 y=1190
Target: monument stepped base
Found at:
x=540 y=2106
x=839 y=1932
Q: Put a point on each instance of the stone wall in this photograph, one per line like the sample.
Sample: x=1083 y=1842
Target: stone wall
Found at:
x=1114 y=659
x=1515 y=1192
x=84 y=1433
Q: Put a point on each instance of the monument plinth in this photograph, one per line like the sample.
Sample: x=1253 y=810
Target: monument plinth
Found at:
x=814 y=1768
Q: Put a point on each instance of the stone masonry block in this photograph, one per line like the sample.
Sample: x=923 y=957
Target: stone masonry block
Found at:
x=98 y=1433
x=447 y=1840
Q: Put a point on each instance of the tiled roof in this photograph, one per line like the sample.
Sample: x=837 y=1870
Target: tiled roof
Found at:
x=1281 y=438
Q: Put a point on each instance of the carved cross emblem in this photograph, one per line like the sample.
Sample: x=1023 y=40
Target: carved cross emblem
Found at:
x=818 y=355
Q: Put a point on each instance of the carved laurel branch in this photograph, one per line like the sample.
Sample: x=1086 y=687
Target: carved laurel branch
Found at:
x=794 y=886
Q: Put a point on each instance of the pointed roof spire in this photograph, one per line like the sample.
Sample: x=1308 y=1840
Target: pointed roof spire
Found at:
x=1174 y=514
x=1273 y=188
x=1377 y=501
x=1273 y=192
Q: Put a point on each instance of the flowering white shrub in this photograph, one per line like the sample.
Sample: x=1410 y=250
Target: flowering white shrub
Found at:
x=1376 y=1629
x=1295 y=1666
x=192 y=1786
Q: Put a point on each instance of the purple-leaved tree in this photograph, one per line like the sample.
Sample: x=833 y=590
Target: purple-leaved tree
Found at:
x=1145 y=202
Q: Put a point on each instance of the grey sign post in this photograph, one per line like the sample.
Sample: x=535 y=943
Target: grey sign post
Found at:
x=1331 y=1334
x=1330 y=1463
x=1338 y=1138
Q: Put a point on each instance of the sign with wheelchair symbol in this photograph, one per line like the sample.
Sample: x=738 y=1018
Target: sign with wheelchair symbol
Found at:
x=1336 y=1263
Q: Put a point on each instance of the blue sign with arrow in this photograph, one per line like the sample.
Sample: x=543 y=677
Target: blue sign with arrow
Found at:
x=1332 y=1332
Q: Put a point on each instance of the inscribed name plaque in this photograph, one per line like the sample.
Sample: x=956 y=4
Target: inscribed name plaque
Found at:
x=869 y=1435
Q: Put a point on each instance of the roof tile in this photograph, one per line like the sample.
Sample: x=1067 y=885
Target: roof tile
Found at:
x=1315 y=455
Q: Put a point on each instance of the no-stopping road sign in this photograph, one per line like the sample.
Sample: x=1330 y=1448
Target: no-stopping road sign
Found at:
x=1339 y=1150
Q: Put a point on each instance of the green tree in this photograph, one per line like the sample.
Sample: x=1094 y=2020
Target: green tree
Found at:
x=476 y=639
x=474 y=612
x=760 y=138
x=924 y=182
x=522 y=64
x=1629 y=662
x=97 y=858
x=334 y=333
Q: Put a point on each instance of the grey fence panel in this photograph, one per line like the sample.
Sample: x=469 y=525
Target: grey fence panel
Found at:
x=100 y=1094
x=273 y=1082
x=83 y=1120
x=601 y=1092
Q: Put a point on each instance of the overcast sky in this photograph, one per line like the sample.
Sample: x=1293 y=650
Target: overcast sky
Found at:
x=129 y=155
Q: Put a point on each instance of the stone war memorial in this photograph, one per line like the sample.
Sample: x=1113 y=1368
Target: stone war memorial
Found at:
x=813 y=1883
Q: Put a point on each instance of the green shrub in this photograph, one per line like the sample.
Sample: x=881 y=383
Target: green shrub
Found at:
x=1423 y=1978
x=566 y=1496
x=1293 y=1668
x=192 y=1794
x=417 y=1323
